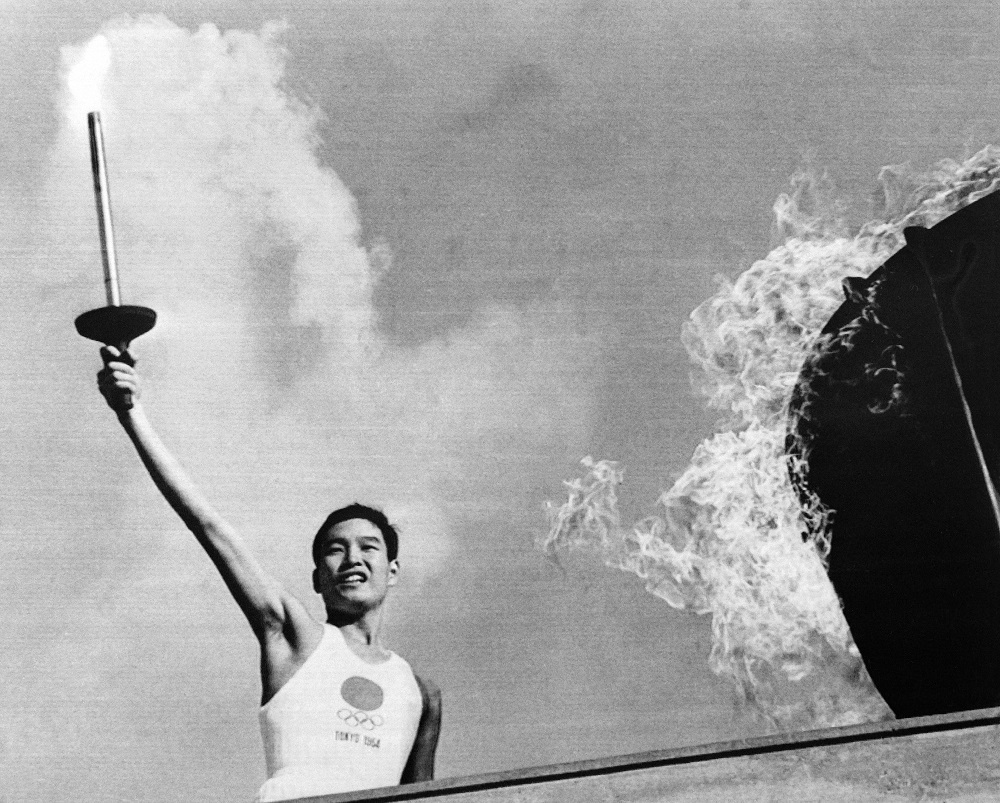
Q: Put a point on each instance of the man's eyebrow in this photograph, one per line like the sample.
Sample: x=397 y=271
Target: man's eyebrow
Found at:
x=343 y=539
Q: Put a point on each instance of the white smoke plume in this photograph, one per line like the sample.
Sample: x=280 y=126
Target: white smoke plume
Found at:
x=731 y=538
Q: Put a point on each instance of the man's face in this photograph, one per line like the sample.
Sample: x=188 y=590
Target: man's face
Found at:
x=354 y=571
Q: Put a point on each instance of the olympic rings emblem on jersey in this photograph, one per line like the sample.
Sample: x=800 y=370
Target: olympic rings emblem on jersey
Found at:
x=360 y=719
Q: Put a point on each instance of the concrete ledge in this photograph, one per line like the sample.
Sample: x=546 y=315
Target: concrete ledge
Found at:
x=954 y=757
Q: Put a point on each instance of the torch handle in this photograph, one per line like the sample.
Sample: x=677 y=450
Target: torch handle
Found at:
x=129 y=360
x=117 y=326
x=125 y=356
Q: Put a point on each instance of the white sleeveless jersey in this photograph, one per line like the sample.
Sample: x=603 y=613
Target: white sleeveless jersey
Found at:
x=339 y=724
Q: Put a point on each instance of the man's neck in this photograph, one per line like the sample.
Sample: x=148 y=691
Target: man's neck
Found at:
x=361 y=633
x=364 y=643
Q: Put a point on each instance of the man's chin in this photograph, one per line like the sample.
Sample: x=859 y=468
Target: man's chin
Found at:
x=353 y=599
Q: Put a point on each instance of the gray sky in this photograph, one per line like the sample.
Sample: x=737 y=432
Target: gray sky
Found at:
x=424 y=254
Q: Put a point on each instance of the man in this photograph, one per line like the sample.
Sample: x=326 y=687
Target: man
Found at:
x=339 y=712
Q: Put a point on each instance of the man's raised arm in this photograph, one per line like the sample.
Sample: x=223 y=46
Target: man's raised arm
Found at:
x=269 y=608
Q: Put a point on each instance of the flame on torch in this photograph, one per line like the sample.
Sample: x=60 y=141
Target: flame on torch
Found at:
x=87 y=76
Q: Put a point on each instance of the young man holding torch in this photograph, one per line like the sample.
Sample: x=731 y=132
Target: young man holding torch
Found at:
x=339 y=712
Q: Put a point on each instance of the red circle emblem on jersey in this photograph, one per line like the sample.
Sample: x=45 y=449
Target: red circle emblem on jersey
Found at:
x=362 y=693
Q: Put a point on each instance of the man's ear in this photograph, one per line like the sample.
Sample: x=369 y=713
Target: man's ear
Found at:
x=315 y=577
x=393 y=572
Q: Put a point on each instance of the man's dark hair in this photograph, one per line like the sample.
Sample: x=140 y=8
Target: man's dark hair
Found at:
x=357 y=511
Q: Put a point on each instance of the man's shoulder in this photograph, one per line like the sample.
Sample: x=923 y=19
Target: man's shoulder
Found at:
x=429 y=690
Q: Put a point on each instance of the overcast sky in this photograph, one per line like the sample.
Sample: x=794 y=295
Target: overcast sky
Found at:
x=423 y=254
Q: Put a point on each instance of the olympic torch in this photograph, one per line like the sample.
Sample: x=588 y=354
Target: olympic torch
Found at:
x=115 y=324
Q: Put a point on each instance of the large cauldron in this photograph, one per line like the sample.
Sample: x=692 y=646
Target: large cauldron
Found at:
x=898 y=418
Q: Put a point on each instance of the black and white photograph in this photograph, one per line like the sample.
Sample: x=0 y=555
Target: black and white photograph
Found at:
x=499 y=400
